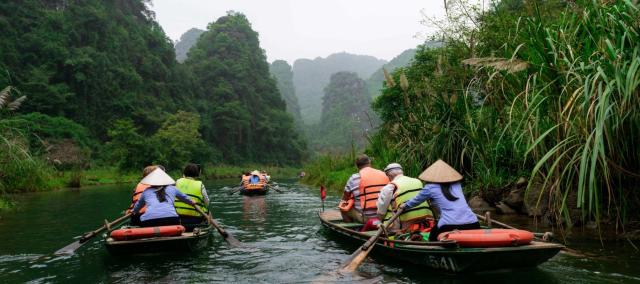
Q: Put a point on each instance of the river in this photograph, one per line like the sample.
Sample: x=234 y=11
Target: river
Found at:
x=286 y=244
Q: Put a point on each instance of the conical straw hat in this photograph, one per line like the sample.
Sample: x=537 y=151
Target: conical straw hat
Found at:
x=255 y=173
x=440 y=172
x=158 y=177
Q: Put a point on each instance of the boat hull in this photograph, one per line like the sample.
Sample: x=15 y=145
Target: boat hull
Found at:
x=452 y=259
x=254 y=192
x=188 y=242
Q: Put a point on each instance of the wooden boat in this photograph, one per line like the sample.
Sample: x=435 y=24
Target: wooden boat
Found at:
x=443 y=255
x=261 y=191
x=191 y=241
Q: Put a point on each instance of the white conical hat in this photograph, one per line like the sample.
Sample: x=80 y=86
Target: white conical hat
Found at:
x=255 y=173
x=440 y=172
x=158 y=177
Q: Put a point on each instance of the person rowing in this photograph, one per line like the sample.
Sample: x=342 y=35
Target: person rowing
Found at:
x=159 y=198
x=195 y=189
x=444 y=190
x=400 y=190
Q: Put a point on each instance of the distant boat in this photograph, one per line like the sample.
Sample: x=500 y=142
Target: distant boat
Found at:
x=446 y=256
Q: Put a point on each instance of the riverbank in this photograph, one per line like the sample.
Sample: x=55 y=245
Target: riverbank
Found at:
x=110 y=175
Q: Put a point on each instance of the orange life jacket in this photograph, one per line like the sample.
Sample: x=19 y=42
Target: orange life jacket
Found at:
x=371 y=182
x=136 y=195
x=255 y=186
x=245 y=180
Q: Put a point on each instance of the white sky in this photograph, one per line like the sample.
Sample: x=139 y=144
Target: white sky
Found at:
x=292 y=29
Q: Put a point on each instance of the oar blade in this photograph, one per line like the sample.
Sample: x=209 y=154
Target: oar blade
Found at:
x=69 y=249
x=231 y=240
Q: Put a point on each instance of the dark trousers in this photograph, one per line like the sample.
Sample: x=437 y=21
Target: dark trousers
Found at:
x=160 y=222
x=433 y=235
x=135 y=220
x=190 y=222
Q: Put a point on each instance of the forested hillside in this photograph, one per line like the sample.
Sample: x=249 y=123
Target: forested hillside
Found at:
x=281 y=71
x=187 y=40
x=90 y=61
x=103 y=88
x=243 y=112
x=346 y=115
x=311 y=76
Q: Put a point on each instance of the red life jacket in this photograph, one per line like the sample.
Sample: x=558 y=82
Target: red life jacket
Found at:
x=371 y=182
x=136 y=195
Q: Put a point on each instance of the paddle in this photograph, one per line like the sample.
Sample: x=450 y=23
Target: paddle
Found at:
x=227 y=236
x=536 y=235
x=234 y=190
x=275 y=188
x=71 y=248
x=352 y=263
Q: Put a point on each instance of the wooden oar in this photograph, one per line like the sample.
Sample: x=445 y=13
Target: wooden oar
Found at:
x=275 y=188
x=71 y=248
x=226 y=235
x=538 y=236
x=234 y=190
x=352 y=263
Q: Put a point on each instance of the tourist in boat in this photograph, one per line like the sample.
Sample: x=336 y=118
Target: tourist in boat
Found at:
x=400 y=190
x=444 y=190
x=245 y=179
x=256 y=180
x=266 y=176
x=159 y=198
x=137 y=191
x=362 y=191
x=195 y=189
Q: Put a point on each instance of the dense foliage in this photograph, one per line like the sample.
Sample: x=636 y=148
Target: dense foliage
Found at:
x=281 y=71
x=311 y=76
x=99 y=85
x=187 y=40
x=547 y=90
x=243 y=114
x=90 y=61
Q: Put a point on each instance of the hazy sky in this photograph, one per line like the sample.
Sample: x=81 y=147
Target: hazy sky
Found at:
x=292 y=29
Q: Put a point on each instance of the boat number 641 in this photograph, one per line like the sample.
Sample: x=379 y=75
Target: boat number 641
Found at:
x=441 y=262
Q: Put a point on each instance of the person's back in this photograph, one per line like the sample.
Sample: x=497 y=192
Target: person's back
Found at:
x=371 y=182
x=137 y=193
x=362 y=191
x=196 y=191
x=159 y=199
x=451 y=212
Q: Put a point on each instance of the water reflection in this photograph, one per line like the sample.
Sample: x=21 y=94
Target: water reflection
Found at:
x=254 y=209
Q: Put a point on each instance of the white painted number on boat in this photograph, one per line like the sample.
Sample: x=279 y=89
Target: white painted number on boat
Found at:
x=441 y=262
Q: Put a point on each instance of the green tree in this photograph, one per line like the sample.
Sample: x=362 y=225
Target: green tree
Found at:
x=179 y=141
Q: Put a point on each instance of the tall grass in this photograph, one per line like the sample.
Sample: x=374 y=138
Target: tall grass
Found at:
x=551 y=94
x=578 y=111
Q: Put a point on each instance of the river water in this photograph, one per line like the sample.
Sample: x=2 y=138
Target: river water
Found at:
x=286 y=244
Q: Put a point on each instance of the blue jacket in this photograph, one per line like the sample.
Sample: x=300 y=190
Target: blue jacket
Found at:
x=157 y=209
x=451 y=212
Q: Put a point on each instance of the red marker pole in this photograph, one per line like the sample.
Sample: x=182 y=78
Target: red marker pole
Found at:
x=323 y=195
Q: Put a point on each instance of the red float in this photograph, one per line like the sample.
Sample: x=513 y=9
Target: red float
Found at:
x=482 y=238
x=148 y=232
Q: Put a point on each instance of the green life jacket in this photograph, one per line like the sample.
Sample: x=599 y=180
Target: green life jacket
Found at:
x=193 y=189
x=406 y=189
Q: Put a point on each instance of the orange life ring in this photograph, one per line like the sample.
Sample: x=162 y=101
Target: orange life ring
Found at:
x=148 y=232
x=488 y=237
